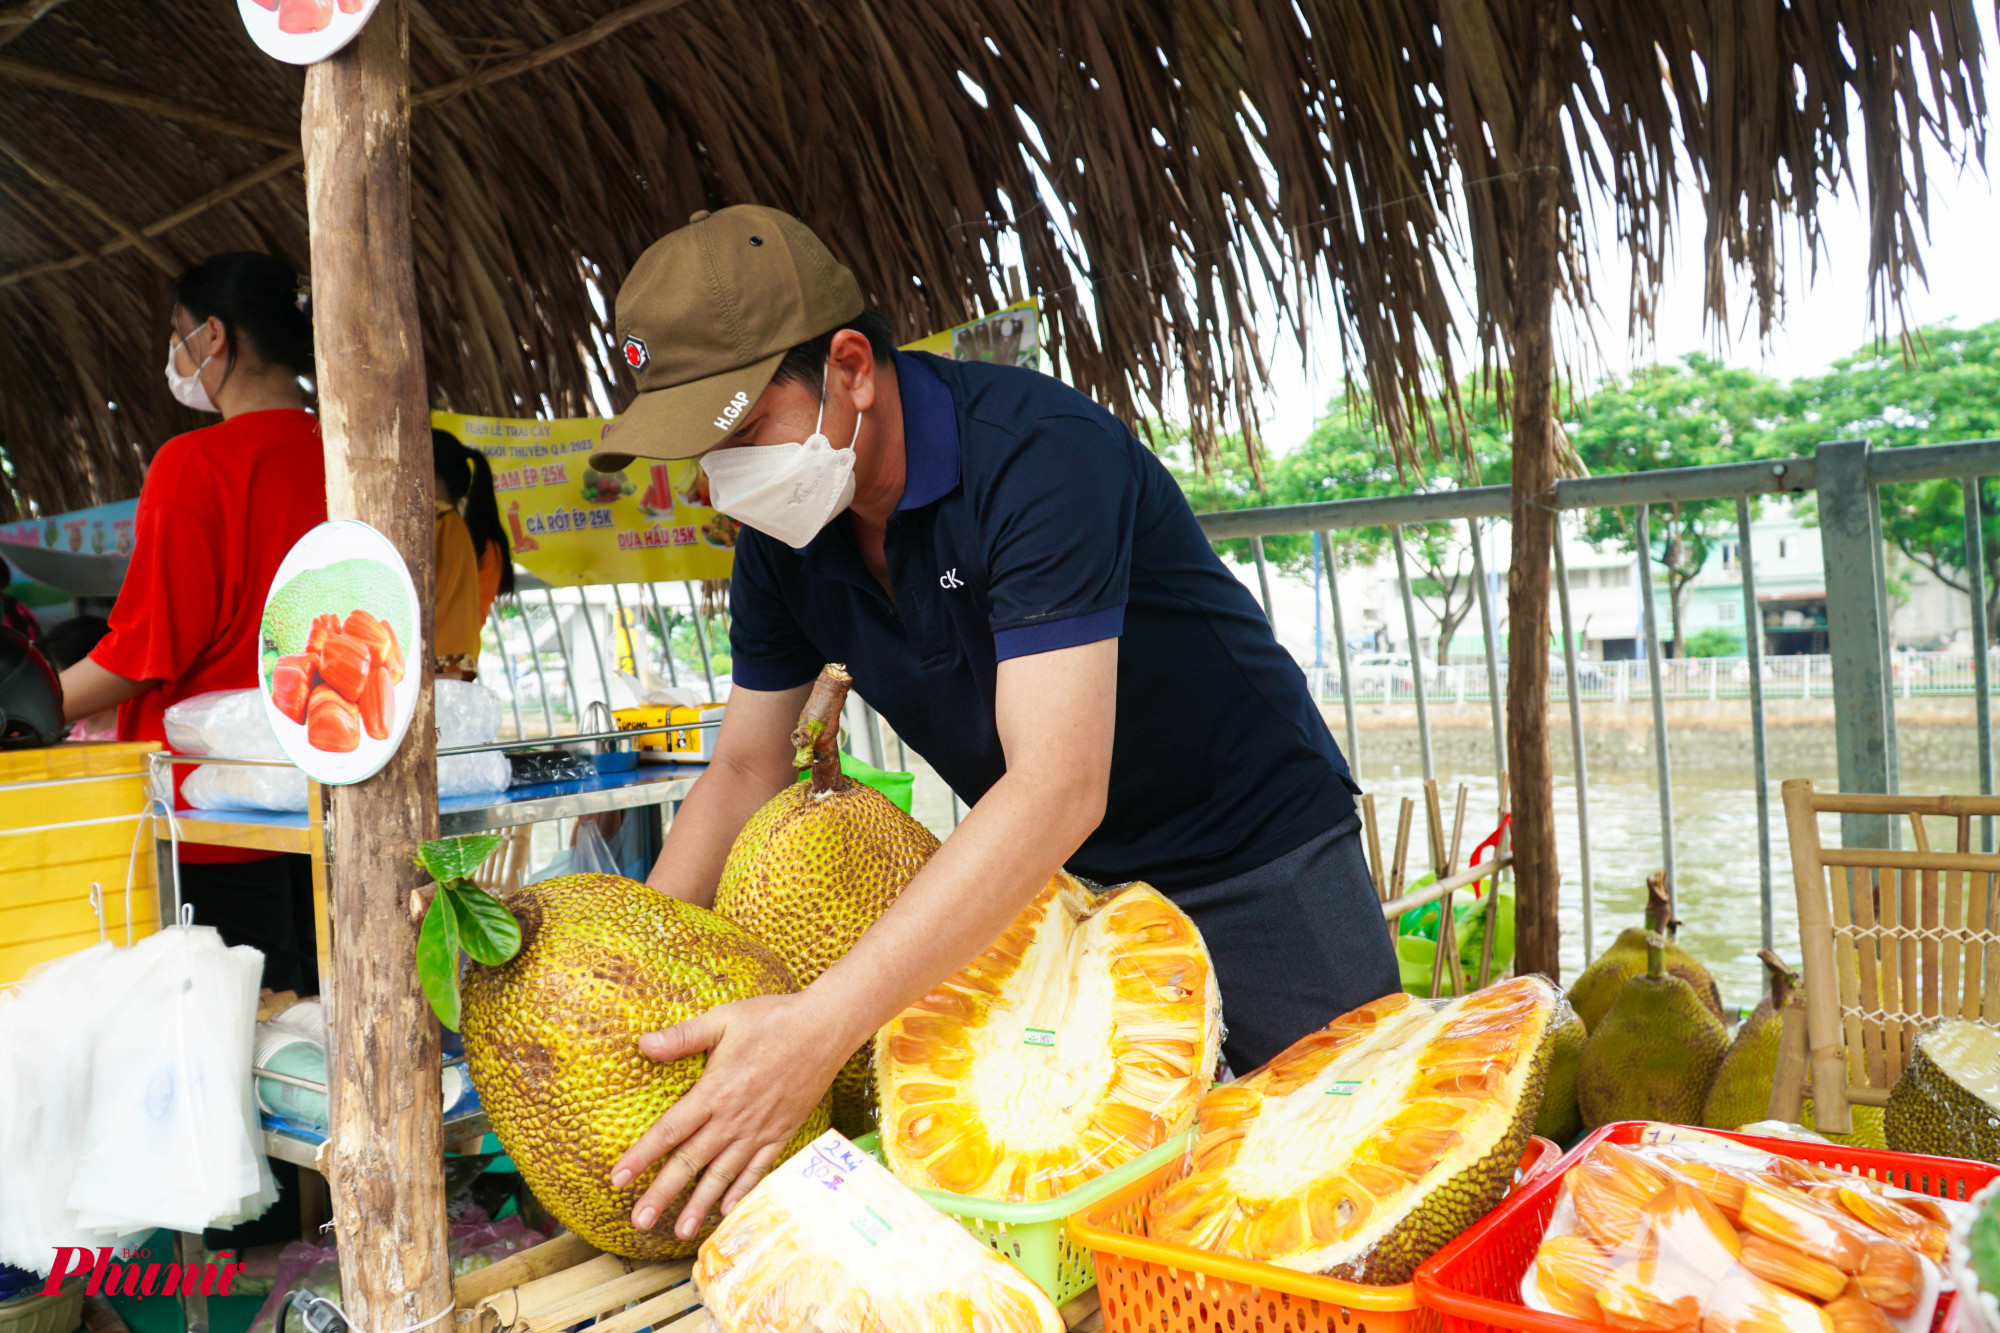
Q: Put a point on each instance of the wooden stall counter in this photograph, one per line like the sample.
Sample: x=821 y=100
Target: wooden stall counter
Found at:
x=69 y=817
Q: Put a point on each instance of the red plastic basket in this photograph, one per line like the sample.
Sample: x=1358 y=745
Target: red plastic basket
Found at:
x=1474 y=1283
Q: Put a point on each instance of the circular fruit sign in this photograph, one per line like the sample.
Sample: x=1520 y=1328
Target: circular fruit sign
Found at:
x=300 y=32
x=339 y=660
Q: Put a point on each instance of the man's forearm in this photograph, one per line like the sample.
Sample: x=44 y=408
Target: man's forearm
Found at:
x=977 y=883
x=716 y=808
x=89 y=689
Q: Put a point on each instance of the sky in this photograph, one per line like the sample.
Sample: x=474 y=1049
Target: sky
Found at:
x=1825 y=315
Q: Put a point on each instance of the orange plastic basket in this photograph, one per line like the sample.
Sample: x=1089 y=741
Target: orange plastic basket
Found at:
x=1150 y=1286
x=1474 y=1284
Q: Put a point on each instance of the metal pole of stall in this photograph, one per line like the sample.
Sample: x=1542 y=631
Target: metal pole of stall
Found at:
x=569 y=661
x=631 y=639
x=541 y=677
x=701 y=642
x=1340 y=639
x=596 y=646
x=1982 y=675
x=666 y=629
x=1753 y=646
x=507 y=662
x=1570 y=688
x=1875 y=551
x=1416 y=648
x=1263 y=578
x=1490 y=632
x=1661 y=758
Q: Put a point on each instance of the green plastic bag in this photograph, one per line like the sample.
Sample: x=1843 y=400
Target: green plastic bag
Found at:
x=896 y=786
x=1416 y=941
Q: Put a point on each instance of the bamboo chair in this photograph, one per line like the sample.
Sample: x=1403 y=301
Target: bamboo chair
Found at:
x=1892 y=938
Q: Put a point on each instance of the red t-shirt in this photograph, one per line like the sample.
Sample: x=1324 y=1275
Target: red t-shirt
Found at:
x=220 y=508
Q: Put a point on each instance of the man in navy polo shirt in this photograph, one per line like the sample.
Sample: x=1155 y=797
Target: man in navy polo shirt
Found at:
x=1019 y=587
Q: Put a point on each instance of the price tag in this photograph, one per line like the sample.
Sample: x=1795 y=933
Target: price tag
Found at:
x=1040 y=1037
x=870 y=1225
x=1343 y=1089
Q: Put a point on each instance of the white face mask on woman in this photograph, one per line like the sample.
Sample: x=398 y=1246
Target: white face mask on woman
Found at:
x=188 y=390
x=786 y=491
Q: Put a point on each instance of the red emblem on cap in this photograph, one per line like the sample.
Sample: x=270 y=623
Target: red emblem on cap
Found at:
x=636 y=355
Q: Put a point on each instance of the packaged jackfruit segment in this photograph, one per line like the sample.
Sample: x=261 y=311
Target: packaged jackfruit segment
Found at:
x=1079 y=1041
x=1364 y=1147
x=1704 y=1232
x=830 y=1241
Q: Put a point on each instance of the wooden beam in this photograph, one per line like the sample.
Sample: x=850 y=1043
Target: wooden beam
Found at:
x=22 y=17
x=79 y=199
x=567 y=46
x=250 y=180
x=20 y=71
x=386 y=1146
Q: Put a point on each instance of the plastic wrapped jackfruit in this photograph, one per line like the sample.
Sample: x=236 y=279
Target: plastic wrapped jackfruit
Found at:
x=830 y=1241
x=1692 y=1231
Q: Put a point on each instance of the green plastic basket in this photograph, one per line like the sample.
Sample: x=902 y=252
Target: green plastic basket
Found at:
x=1036 y=1235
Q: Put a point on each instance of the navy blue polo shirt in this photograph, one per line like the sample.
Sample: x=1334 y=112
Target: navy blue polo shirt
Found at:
x=1032 y=520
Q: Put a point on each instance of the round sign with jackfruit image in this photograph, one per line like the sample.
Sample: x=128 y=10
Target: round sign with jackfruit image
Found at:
x=340 y=659
x=303 y=32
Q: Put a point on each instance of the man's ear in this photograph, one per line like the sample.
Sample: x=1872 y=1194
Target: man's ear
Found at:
x=852 y=360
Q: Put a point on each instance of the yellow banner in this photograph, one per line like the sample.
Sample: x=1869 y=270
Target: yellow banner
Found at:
x=650 y=523
x=571 y=525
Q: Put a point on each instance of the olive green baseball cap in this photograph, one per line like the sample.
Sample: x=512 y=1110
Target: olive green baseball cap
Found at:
x=705 y=317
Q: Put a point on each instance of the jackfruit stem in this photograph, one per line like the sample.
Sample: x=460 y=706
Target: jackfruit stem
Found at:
x=1781 y=978
x=1659 y=911
x=816 y=740
x=1656 y=955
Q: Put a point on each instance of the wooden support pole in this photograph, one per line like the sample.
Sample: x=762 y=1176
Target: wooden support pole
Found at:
x=385 y=1159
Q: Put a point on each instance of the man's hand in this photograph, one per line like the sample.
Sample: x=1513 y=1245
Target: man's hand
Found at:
x=770 y=1062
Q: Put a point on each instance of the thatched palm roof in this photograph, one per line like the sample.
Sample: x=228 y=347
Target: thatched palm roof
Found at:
x=1211 y=156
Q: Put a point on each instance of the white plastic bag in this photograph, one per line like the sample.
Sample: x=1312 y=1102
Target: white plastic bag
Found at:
x=587 y=854
x=224 y=724
x=474 y=774
x=467 y=713
x=171 y=1138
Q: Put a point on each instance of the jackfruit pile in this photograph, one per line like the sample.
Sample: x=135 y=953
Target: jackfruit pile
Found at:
x=1081 y=1039
x=832 y=1241
x=335 y=590
x=551 y=1039
x=1716 y=1237
x=1364 y=1147
x=815 y=867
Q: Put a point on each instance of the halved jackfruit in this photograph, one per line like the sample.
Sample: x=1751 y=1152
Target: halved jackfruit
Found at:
x=1080 y=1040
x=1365 y=1146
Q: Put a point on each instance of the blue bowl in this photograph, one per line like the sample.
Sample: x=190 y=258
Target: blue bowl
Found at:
x=618 y=761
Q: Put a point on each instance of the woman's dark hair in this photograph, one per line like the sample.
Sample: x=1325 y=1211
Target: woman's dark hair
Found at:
x=70 y=641
x=258 y=297
x=468 y=476
x=806 y=363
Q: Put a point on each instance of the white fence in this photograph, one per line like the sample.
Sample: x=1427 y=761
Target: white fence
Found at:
x=1384 y=678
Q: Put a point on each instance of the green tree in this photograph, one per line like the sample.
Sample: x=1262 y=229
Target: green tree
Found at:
x=1947 y=389
x=1694 y=412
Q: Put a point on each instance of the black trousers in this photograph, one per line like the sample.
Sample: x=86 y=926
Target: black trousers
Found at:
x=265 y=904
x=1296 y=943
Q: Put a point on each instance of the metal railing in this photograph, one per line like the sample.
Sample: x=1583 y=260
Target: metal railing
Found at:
x=1861 y=674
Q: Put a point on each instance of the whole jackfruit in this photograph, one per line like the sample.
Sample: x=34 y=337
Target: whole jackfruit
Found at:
x=552 y=1040
x=1559 y=1120
x=1364 y=1147
x=1592 y=993
x=1947 y=1103
x=337 y=589
x=1080 y=1040
x=1741 y=1094
x=815 y=867
x=1654 y=1054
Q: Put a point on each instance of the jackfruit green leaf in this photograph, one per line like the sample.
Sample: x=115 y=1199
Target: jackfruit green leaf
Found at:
x=486 y=929
x=449 y=859
x=437 y=960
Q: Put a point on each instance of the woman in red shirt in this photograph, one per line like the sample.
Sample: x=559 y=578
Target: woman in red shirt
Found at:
x=220 y=508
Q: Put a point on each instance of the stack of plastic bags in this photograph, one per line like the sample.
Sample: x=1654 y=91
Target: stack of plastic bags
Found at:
x=125 y=1098
x=231 y=724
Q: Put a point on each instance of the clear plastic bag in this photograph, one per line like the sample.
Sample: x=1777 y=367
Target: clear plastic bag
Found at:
x=171 y=1138
x=1692 y=1229
x=587 y=854
x=222 y=724
x=831 y=1241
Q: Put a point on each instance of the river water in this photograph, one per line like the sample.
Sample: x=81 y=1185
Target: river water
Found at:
x=1715 y=827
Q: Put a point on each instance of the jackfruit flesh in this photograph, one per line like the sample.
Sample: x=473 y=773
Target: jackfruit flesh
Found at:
x=831 y=1241
x=809 y=873
x=1365 y=1146
x=551 y=1037
x=337 y=589
x=1947 y=1103
x=1081 y=1039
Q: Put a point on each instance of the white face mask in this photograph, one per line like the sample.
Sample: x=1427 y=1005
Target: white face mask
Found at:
x=786 y=491
x=188 y=390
